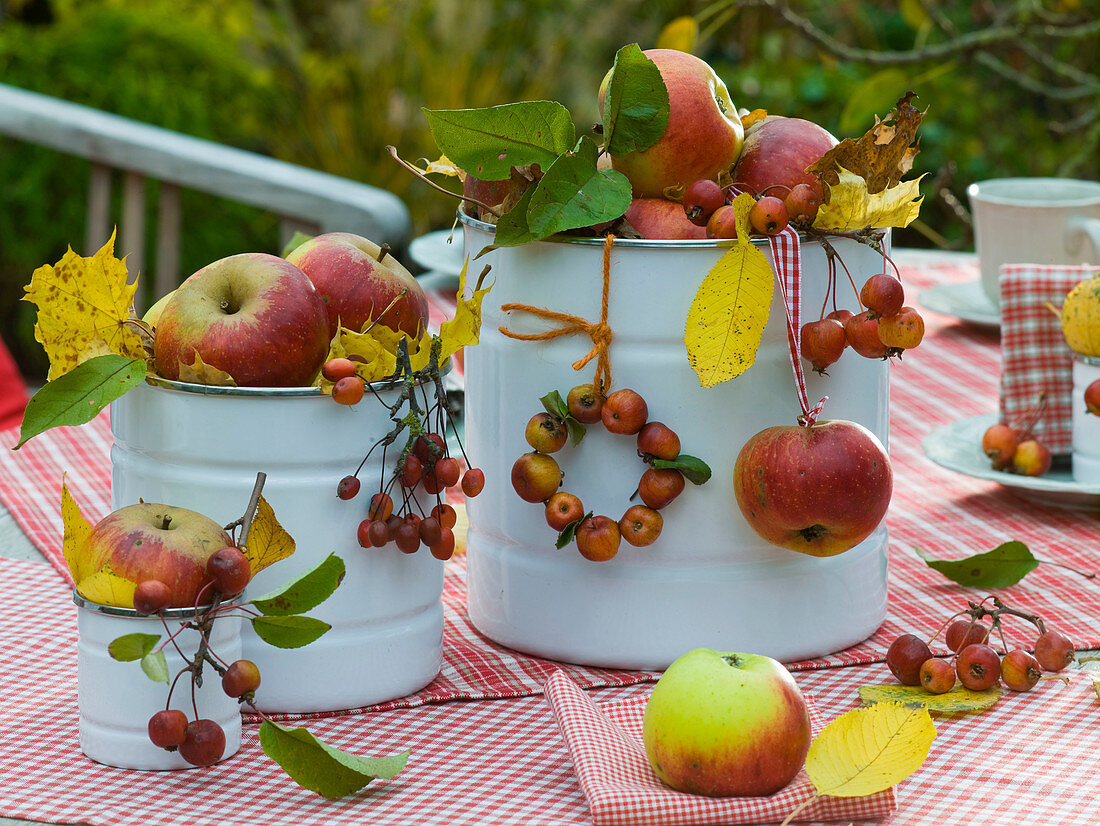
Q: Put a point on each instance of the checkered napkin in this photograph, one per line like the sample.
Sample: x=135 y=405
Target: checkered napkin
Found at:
x=605 y=742
x=1034 y=356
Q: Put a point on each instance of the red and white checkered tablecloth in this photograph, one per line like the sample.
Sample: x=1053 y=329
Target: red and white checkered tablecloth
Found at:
x=502 y=761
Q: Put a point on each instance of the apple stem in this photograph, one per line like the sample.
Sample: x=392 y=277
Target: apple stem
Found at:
x=383 y=251
x=250 y=513
x=165 y=522
x=434 y=185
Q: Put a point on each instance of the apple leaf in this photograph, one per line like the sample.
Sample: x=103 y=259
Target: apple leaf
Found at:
x=868 y=750
x=130 y=647
x=487 y=143
x=695 y=470
x=288 y=632
x=730 y=309
x=78 y=396
x=464 y=329
x=636 y=107
x=321 y=768
x=199 y=372
x=574 y=193
x=569 y=532
x=512 y=227
x=268 y=541
x=106 y=588
x=1001 y=567
x=306 y=592
x=958 y=699
x=83 y=309
x=155 y=666
x=75 y=530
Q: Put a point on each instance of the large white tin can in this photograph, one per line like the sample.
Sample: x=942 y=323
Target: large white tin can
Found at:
x=1086 y=425
x=115 y=699
x=200 y=447
x=708 y=580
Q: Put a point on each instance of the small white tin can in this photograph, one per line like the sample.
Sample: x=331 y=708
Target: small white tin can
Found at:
x=1086 y=426
x=116 y=699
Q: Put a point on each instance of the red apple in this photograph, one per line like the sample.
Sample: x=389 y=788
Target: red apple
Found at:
x=144 y=542
x=357 y=283
x=724 y=724
x=704 y=133
x=598 y=538
x=1092 y=398
x=776 y=153
x=254 y=316
x=657 y=219
x=818 y=490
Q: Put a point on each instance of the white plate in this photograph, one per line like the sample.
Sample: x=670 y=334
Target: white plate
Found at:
x=965 y=300
x=957 y=447
x=440 y=251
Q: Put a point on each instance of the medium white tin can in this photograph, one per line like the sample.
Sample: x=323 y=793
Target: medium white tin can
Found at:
x=1086 y=425
x=116 y=699
x=708 y=580
x=200 y=447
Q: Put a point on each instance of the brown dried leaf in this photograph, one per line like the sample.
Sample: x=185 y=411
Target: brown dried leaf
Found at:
x=882 y=156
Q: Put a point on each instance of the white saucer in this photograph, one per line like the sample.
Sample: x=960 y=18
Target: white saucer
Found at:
x=957 y=447
x=965 y=300
x=441 y=251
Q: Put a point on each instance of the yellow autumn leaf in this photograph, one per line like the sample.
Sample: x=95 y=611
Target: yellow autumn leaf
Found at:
x=959 y=699
x=444 y=166
x=869 y=749
x=202 y=373
x=852 y=207
x=680 y=34
x=75 y=531
x=83 y=305
x=268 y=541
x=462 y=330
x=105 y=588
x=730 y=309
x=374 y=353
x=752 y=117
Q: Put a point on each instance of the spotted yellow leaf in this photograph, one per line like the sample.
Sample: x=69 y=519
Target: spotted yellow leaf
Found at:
x=444 y=166
x=374 y=353
x=268 y=541
x=83 y=306
x=202 y=373
x=852 y=207
x=730 y=309
x=869 y=749
x=680 y=34
x=958 y=699
x=106 y=588
x=462 y=330
x=75 y=531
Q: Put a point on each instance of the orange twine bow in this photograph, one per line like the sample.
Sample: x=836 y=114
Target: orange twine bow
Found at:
x=600 y=332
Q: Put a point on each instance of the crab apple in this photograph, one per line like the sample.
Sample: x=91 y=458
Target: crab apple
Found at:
x=407 y=537
x=1053 y=650
x=862 y=333
x=378 y=534
x=431 y=482
x=150 y=596
x=562 y=509
x=723 y=223
x=362 y=533
x=229 y=569
x=822 y=343
x=598 y=538
x=658 y=219
x=448 y=471
x=348 y=390
x=1092 y=398
x=701 y=198
x=882 y=295
x=241 y=678
x=641 y=525
x=473 y=482
x=429 y=447
x=203 y=744
x=1032 y=458
x=660 y=486
x=902 y=331
x=430 y=531
x=840 y=315
x=546 y=433
x=802 y=203
x=624 y=411
x=348 y=487
x=777 y=151
x=168 y=728
x=412 y=470
x=937 y=675
x=819 y=490
x=1019 y=670
x=905 y=656
x=444 y=549
x=704 y=132
x=584 y=403
x=392 y=523
x=381 y=506
x=446 y=514
x=963 y=632
x=535 y=476
x=338 y=368
x=999 y=443
x=978 y=666
x=768 y=215
x=659 y=441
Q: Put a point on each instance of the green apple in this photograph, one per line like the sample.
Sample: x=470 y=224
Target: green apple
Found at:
x=726 y=724
x=152 y=315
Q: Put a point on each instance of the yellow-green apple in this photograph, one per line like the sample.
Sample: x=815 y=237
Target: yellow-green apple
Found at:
x=726 y=724
x=660 y=219
x=704 y=133
x=148 y=541
x=152 y=315
x=776 y=153
x=253 y=315
x=819 y=490
x=358 y=282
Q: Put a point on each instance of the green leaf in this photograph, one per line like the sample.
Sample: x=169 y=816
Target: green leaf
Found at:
x=295 y=241
x=288 y=632
x=306 y=592
x=130 y=647
x=573 y=193
x=867 y=98
x=958 y=699
x=512 y=229
x=155 y=666
x=636 y=108
x=575 y=429
x=321 y=768
x=695 y=470
x=1005 y=565
x=569 y=532
x=556 y=406
x=78 y=396
x=487 y=143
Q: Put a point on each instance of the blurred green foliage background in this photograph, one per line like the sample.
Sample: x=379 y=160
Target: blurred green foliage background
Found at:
x=328 y=84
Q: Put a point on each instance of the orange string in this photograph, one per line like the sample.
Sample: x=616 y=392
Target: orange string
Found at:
x=600 y=332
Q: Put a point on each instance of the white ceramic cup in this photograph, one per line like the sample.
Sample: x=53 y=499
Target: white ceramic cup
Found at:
x=1033 y=221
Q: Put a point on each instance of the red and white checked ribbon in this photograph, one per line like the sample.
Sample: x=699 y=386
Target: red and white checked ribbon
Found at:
x=787 y=257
